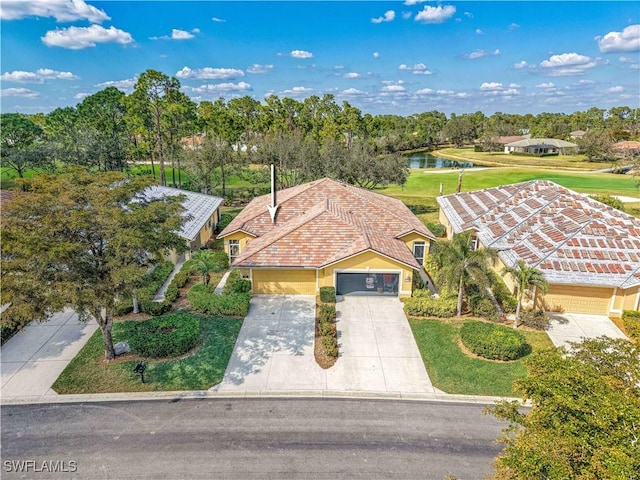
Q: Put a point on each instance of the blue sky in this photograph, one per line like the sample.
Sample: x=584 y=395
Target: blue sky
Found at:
x=382 y=57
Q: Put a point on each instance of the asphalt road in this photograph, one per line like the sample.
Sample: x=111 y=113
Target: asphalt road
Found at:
x=249 y=438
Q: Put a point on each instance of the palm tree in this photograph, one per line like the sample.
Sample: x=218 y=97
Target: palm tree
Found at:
x=461 y=265
x=525 y=277
x=206 y=262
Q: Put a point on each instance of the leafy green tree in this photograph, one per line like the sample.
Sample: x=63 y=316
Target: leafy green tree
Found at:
x=610 y=201
x=459 y=130
x=462 y=265
x=584 y=417
x=526 y=277
x=206 y=262
x=82 y=240
x=596 y=145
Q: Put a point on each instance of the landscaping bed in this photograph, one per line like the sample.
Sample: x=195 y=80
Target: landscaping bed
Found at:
x=326 y=332
x=453 y=371
x=198 y=369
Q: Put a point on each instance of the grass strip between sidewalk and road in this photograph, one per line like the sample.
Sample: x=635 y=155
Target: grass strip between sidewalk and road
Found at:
x=199 y=370
x=453 y=371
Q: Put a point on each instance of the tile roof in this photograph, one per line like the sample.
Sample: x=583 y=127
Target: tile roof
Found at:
x=322 y=222
x=570 y=237
x=528 y=142
x=198 y=207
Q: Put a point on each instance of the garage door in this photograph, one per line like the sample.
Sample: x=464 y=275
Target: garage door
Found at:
x=301 y=282
x=367 y=282
x=576 y=299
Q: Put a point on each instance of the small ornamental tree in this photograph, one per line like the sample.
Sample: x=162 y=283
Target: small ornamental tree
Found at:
x=525 y=278
x=81 y=240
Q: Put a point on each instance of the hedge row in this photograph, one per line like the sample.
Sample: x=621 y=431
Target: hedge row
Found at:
x=492 y=341
x=203 y=300
x=507 y=301
x=167 y=336
x=327 y=324
x=236 y=284
x=327 y=294
x=631 y=322
x=431 y=307
x=483 y=307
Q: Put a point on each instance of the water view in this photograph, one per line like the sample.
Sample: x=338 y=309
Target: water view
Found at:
x=426 y=160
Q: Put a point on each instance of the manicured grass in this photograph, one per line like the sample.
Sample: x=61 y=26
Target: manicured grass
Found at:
x=452 y=371
x=423 y=186
x=87 y=373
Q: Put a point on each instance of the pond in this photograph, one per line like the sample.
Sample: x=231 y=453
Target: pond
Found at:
x=426 y=160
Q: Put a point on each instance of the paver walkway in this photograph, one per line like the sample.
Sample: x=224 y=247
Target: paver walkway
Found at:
x=275 y=348
x=33 y=359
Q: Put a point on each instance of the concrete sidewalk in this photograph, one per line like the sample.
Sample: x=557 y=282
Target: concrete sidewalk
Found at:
x=33 y=358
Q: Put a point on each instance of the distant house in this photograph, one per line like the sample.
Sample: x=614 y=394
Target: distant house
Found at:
x=328 y=234
x=577 y=134
x=540 y=146
x=588 y=252
x=193 y=142
x=202 y=212
x=509 y=139
x=626 y=149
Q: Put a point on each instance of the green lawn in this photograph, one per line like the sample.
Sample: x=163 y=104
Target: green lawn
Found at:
x=453 y=371
x=423 y=187
x=87 y=373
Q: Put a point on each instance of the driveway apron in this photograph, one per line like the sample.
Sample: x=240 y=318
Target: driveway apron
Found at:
x=574 y=327
x=33 y=358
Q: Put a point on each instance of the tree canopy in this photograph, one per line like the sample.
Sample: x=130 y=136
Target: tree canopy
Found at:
x=584 y=421
x=82 y=240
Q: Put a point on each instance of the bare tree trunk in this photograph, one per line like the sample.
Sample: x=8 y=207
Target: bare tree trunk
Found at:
x=518 y=309
x=460 y=291
x=105 y=320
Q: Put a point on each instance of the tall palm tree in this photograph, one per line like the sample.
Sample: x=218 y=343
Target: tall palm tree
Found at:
x=461 y=265
x=525 y=277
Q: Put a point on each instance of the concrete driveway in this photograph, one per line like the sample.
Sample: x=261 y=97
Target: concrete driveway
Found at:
x=574 y=327
x=275 y=348
x=33 y=359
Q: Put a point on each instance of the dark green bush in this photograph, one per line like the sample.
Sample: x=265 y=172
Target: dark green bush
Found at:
x=123 y=307
x=203 y=300
x=330 y=345
x=535 y=319
x=503 y=296
x=484 y=307
x=154 y=308
x=221 y=260
x=180 y=279
x=236 y=284
x=492 y=341
x=172 y=294
x=225 y=219
x=167 y=336
x=430 y=307
x=327 y=294
x=436 y=228
x=631 y=322
x=327 y=313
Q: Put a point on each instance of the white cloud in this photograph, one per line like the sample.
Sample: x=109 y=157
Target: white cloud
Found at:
x=77 y=38
x=217 y=20
x=298 y=91
x=39 y=76
x=301 y=54
x=481 y=53
x=218 y=88
x=81 y=95
x=627 y=60
x=388 y=16
x=626 y=41
x=546 y=85
x=257 y=68
x=616 y=89
x=353 y=92
x=567 y=64
x=376 y=55
x=479 y=32
x=491 y=86
x=514 y=26
x=177 y=34
x=414 y=2
x=126 y=84
x=209 y=73
x=521 y=64
x=416 y=69
x=18 y=92
x=406 y=15
x=61 y=10
x=393 y=88
x=352 y=75
x=391 y=82
x=437 y=14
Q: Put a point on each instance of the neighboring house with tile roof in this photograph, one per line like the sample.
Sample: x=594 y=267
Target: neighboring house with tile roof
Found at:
x=540 y=146
x=328 y=233
x=588 y=252
x=202 y=214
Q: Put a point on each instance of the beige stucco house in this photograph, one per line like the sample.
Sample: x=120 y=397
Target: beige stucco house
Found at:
x=588 y=252
x=541 y=146
x=328 y=233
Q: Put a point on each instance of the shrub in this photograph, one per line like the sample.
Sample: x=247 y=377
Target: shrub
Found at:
x=225 y=219
x=421 y=293
x=327 y=328
x=535 y=319
x=123 y=307
x=327 y=313
x=154 y=308
x=166 y=336
x=503 y=296
x=236 y=284
x=631 y=322
x=492 y=341
x=327 y=294
x=484 y=307
x=330 y=345
x=203 y=300
x=436 y=228
x=220 y=261
x=172 y=294
x=430 y=307
x=181 y=278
